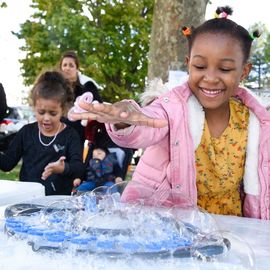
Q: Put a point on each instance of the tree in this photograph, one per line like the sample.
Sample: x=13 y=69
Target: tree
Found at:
x=3 y=4
x=111 y=38
x=260 y=55
x=267 y=61
x=167 y=48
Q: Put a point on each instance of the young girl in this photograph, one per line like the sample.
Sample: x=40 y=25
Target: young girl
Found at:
x=208 y=138
x=50 y=151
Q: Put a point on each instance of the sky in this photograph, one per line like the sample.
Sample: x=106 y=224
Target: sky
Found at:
x=245 y=13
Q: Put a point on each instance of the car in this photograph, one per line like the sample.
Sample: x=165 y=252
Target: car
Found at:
x=16 y=118
x=22 y=113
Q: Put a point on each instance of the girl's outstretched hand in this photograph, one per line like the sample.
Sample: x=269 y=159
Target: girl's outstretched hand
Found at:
x=122 y=114
x=54 y=167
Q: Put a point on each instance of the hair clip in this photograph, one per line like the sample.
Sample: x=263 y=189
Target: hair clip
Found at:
x=223 y=12
x=251 y=36
x=255 y=34
x=224 y=15
x=186 y=31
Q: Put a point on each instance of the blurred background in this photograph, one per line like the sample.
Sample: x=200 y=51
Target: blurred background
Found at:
x=120 y=44
x=116 y=40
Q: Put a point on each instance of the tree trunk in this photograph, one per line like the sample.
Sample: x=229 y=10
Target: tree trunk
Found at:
x=167 y=45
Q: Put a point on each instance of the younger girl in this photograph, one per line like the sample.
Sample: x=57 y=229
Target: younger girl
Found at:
x=209 y=138
x=50 y=151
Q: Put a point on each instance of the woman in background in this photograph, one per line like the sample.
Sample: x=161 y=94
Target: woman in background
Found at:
x=69 y=66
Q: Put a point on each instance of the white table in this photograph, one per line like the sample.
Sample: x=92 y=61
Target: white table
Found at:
x=247 y=236
x=16 y=191
x=255 y=232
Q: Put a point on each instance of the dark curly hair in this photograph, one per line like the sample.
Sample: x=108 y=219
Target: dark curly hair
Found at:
x=224 y=26
x=53 y=85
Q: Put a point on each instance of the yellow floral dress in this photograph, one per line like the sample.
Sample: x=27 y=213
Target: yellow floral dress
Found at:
x=220 y=164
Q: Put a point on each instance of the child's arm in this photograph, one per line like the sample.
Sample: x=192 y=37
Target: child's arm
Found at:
x=74 y=166
x=11 y=157
x=70 y=165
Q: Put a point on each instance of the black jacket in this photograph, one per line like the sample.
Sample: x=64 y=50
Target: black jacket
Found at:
x=35 y=157
x=78 y=91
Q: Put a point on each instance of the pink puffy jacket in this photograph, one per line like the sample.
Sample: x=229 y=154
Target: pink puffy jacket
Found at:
x=168 y=163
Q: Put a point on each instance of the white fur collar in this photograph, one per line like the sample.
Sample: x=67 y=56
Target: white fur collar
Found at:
x=196 y=124
x=196 y=120
x=251 y=177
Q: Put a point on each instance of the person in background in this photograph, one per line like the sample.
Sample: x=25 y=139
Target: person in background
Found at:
x=101 y=170
x=207 y=139
x=3 y=103
x=49 y=149
x=92 y=131
x=69 y=65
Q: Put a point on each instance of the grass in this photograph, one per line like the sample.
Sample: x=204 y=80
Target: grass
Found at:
x=12 y=175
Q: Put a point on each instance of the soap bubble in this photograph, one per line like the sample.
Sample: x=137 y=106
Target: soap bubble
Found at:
x=129 y=219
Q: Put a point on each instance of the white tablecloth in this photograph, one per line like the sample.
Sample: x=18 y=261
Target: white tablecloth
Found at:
x=16 y=191
x=250 y=239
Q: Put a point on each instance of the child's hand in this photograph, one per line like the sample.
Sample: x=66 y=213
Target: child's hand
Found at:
x=122 y=114
x=77 y=182
x=118 y=180
x=54 y=167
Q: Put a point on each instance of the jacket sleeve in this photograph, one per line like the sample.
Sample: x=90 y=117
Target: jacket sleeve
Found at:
x=3 y=103
x=10 y=158
x=141 y=136
x=74 y=167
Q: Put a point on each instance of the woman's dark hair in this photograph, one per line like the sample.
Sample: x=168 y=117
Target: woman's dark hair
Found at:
x=227 y=27
x=53 y=85
x=70 y=54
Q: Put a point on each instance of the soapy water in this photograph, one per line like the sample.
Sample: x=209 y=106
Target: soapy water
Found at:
x=98 y=223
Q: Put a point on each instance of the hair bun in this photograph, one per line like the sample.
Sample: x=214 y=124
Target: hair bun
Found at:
x=227 y=9
x=256 y=34
x=53 y=76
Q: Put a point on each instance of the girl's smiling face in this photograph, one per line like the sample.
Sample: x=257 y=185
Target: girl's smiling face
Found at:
x=48 y=114
x=215 y=68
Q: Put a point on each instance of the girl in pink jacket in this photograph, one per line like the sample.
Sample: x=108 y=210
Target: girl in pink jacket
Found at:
x=209 y=139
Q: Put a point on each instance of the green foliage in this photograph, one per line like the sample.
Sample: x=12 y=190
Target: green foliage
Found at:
x=259 y=77
x=111 y=38
x=3 y=4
